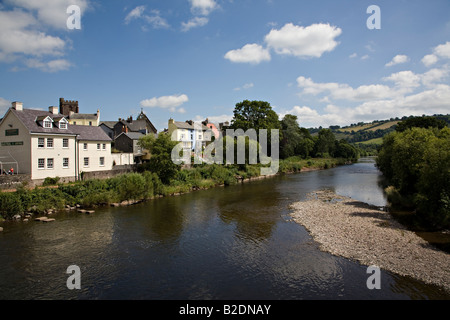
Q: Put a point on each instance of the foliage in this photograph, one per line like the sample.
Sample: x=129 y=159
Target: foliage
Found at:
x=417 y=164
x=161 y=156
x=421 y=122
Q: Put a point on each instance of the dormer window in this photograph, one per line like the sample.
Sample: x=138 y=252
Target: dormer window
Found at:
x=47 y=124
x=62 y=125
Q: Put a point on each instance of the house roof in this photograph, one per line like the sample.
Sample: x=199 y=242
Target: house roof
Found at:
x=186 y=125
x=134 y=125
x=132 y=135
x=29 y=119
x=109 y=124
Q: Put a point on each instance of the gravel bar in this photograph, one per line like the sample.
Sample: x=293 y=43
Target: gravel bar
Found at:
x=368 y=234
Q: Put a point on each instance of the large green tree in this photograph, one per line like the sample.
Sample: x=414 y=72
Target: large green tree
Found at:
x=160 y=148
x=254 y=115
x=417 y=164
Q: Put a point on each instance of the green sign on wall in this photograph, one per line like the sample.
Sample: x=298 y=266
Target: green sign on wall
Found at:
x=7 y=144
x=12 y=132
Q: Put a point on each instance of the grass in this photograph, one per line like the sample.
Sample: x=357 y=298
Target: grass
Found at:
x=373 y=141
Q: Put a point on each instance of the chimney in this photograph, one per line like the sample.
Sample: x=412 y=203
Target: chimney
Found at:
x=171 y=121
x=53 y=110
x=17 y=105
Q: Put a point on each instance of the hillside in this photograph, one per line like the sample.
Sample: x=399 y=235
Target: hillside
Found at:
x=373 y=132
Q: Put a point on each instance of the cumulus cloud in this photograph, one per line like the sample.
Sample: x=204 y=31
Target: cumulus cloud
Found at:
x=194 y=23
x=50 y=12
x=170 y=103
x=25 y=33
x=398 y=59
x=250 y=53
x=440 y=51
x=153 y=19
x=405 y=93
x=49 y=66
x=203 y=7
x=303 y=42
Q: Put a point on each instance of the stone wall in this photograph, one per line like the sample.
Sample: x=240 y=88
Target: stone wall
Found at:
x=13 y=181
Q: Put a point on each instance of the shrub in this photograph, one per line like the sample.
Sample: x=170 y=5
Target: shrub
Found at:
x=10 y=204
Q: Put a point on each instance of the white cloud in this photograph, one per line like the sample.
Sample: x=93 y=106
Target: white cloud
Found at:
x=429 y=60
x=250 y=53
x=136 y=13
x=408 y=94
x=404 y=79
x=19 y=35
x=203 y=7
x=167 y=102
x=304 y=42
x=443 y=50
x=25 y=33
x=440 y=51
x=398 y=59
x=194 y=23
x=344 y=91
x=50 y=66
x=154 y=18
x=245 y=86
x=50 y=12
x=353 y=55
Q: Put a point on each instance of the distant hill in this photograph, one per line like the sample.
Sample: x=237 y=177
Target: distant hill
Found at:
x=370 y=133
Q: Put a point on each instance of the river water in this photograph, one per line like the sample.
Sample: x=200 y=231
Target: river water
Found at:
x=235 y=243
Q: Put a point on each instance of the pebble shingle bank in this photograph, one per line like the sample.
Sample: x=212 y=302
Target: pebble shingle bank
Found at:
x=369 y=235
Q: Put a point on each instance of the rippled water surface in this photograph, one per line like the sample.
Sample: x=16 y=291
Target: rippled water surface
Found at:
x=225 y=243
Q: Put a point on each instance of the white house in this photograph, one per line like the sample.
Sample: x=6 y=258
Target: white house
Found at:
x=44 y=144
x=190 y=133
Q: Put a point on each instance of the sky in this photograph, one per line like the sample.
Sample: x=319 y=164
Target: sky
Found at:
x=328 y=62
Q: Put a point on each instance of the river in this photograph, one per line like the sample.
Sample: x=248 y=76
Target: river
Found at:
x=235 y=242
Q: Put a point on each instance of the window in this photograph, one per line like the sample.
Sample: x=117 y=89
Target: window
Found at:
x=74 y=123
x=192 y=136
x=86 y=162
x=104 y=146
x=41 y=142
x=65 y=143
x=50 y=143
x=98 y=146
x=65 y=162
x=41 y=163
x=102 y=161
x=62 y=125
x=182 y=137
x=50 y=163
x=85 y=147
x=47 y=123
x=199 y=137
x=90 y=123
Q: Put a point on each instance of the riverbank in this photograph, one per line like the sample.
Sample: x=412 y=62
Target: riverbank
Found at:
x=367 y=234
x=131 y=188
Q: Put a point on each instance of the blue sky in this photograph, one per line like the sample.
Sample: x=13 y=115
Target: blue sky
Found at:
x=192 y=59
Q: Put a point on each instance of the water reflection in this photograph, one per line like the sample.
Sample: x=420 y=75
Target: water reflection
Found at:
x=225 y=243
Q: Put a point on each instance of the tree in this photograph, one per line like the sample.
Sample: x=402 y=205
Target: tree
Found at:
x=161 y=155
x=325 y=143
x=291 y=136
x=416 y=162
x=421 y=122
x=254 y=115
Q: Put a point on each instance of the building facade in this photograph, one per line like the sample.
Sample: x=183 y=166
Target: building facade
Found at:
x=44 y=144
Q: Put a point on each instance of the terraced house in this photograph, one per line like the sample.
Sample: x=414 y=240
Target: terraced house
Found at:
x=44 y=144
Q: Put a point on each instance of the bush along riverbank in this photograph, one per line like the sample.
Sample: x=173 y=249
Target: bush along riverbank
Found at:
x=137 y=187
